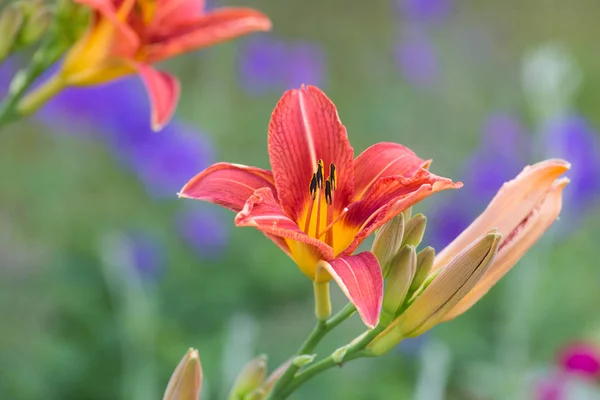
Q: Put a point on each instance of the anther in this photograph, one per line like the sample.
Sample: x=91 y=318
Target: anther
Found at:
x=313 y=187
x=320 y=167
x=328 y=198
x=332 y=176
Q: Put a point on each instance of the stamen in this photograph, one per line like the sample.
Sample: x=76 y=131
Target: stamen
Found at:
x=328 y=197
x=313 y=187
x=313 y=194
x=320 y=167
x=332 y=176
x=332 y=223
x=318 y=212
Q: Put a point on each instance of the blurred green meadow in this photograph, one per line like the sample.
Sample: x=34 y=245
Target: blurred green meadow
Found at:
x=107 y=277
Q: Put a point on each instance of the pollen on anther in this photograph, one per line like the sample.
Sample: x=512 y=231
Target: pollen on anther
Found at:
x=332 y=176
x=328 y=197
x=313 y=187
x=320 y=168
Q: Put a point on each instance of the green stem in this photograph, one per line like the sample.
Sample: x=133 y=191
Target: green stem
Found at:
x=345 y=313
x=319 y=331
x=31 y=102
x=291 y=379
x=309 y=345
x=317 y=368
x=47 y=54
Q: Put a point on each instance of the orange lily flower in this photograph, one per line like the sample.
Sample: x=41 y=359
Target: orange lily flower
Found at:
x=319 y=203
x=127 y=36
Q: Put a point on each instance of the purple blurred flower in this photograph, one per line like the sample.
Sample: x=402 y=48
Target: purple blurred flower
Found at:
x=573 y=138
x=270 y=64
x=148 y=256
x=117 y=115
x=417 y=59
x=504 y=150
x=425 y=10
x=202 y=230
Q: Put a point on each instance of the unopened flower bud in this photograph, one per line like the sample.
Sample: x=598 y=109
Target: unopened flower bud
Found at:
x=407 y=214
x=450 y=285
x=414 y=230
x=186 y=381
x=402 y=271
x=387 y=241
x=303 y=360
x=36 y=24
x=267 y=386
x=11 y=20
x=338 y=355
x=250 y=378
x=424 y=263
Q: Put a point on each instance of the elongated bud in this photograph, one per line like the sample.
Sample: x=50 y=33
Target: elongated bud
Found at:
x=11 y=21
x=407 y=214
x=387 y=241
x=414 y=230
x=250 y=378
x=186 y=381
x=303 y=360
x=36 y=24
x=267 y=386
x=424 y=263
x=450 y=285
x=402 y=271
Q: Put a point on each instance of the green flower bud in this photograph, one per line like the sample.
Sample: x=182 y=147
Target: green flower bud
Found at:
x=387 y=241
x=424 y=264
x=250 y=378
x=414 y=230
x=338 y=355
x=11 y=21
x=450 y=285
x=303 y=360
x=36 y=24
x=402 y=271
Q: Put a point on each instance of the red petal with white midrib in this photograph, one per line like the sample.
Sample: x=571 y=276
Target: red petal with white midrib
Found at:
x=360 y=279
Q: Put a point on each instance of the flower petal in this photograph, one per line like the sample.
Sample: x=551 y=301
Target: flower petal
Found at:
x=262 y=211
x=168 y=40
x=228 y=185
x=126 y=40
x=360 y=279
x=304 y=129
x=387 y=198
x=163 y=90
x=382 y=160
x=515 y=245
x=513 y=203
x=177 y=12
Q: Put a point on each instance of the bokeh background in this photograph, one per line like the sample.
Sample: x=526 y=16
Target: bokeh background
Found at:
x=106 y=277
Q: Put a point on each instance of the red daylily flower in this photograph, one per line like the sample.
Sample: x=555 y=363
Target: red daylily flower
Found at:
x=320 y=203
x=127 y=36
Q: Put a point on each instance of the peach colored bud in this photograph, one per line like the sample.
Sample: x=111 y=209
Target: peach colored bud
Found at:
x=186 y=381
